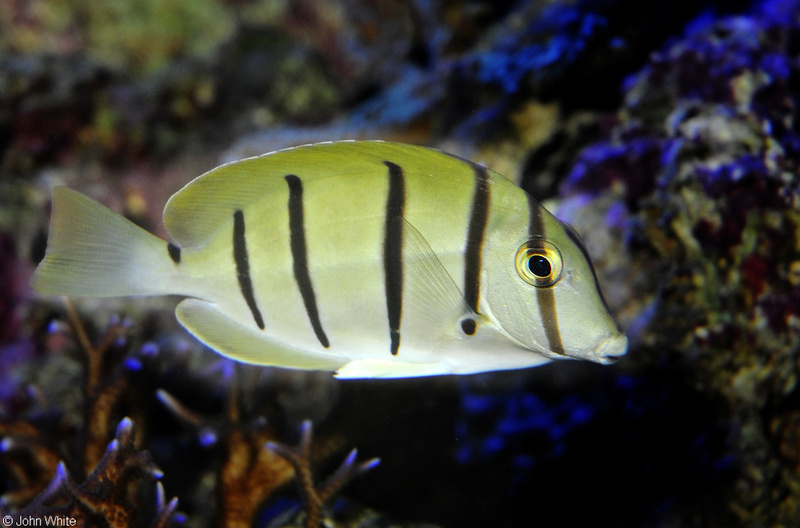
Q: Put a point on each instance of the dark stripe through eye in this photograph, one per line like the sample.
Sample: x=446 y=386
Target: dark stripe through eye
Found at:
x=297 y=237
x=393 y=252
x=243 y=267
x=545 y=297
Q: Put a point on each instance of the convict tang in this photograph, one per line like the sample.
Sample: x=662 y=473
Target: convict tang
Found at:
x=368 y=258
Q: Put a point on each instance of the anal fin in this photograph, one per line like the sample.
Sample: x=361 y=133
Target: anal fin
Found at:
x=231 y=339
x=387 y=368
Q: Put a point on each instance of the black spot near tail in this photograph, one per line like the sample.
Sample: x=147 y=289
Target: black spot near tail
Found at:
x=174 y=253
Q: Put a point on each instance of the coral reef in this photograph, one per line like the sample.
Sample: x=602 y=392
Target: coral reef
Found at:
x=390 y=66
x=705 y=158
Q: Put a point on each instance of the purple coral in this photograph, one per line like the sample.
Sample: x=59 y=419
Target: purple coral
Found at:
x=705 y=155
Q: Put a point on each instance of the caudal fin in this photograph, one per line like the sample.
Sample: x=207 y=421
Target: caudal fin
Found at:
x=94 y=252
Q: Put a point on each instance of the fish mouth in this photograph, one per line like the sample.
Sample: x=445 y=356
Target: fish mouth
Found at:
x=610 y=350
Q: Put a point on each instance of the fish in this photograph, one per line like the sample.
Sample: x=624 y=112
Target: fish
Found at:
x=369 y=259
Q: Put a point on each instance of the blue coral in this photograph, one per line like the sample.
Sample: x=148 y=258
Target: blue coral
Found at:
x=604 y=439
x=517 y=416
x=571 y=32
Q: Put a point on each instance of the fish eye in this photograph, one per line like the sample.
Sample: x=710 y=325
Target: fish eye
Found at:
x=539 y=263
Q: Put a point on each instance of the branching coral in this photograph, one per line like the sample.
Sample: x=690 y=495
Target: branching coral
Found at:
x=102 y=391
x=255 y=466
x=248 y=474
x=313 y=496
x=29 y=456
x=104 y=499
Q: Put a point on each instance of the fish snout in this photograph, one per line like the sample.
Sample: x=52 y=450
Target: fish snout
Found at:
x=611 y=349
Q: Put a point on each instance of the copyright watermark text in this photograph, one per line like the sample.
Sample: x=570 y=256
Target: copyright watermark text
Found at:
x=45 y=520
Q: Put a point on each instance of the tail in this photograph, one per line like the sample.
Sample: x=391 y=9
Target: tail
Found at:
x=94 y=252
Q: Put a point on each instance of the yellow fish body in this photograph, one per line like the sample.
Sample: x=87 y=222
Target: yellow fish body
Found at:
x=367 y=258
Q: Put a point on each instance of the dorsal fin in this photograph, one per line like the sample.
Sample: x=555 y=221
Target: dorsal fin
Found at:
x=195 y=213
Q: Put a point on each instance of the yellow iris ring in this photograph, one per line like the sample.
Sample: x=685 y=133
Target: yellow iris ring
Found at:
x=539 y=248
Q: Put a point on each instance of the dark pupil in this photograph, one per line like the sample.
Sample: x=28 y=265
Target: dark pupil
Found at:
x=539 y=266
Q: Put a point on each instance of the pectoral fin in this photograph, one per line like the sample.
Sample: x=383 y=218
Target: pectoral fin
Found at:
x=433 y=309
x=433 y=305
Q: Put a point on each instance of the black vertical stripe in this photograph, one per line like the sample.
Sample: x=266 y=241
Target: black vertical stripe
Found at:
x=545 y=297
x=243 y=267
x=536 y=219
x=478 y=218
x=297 y=238
x=393 y=252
